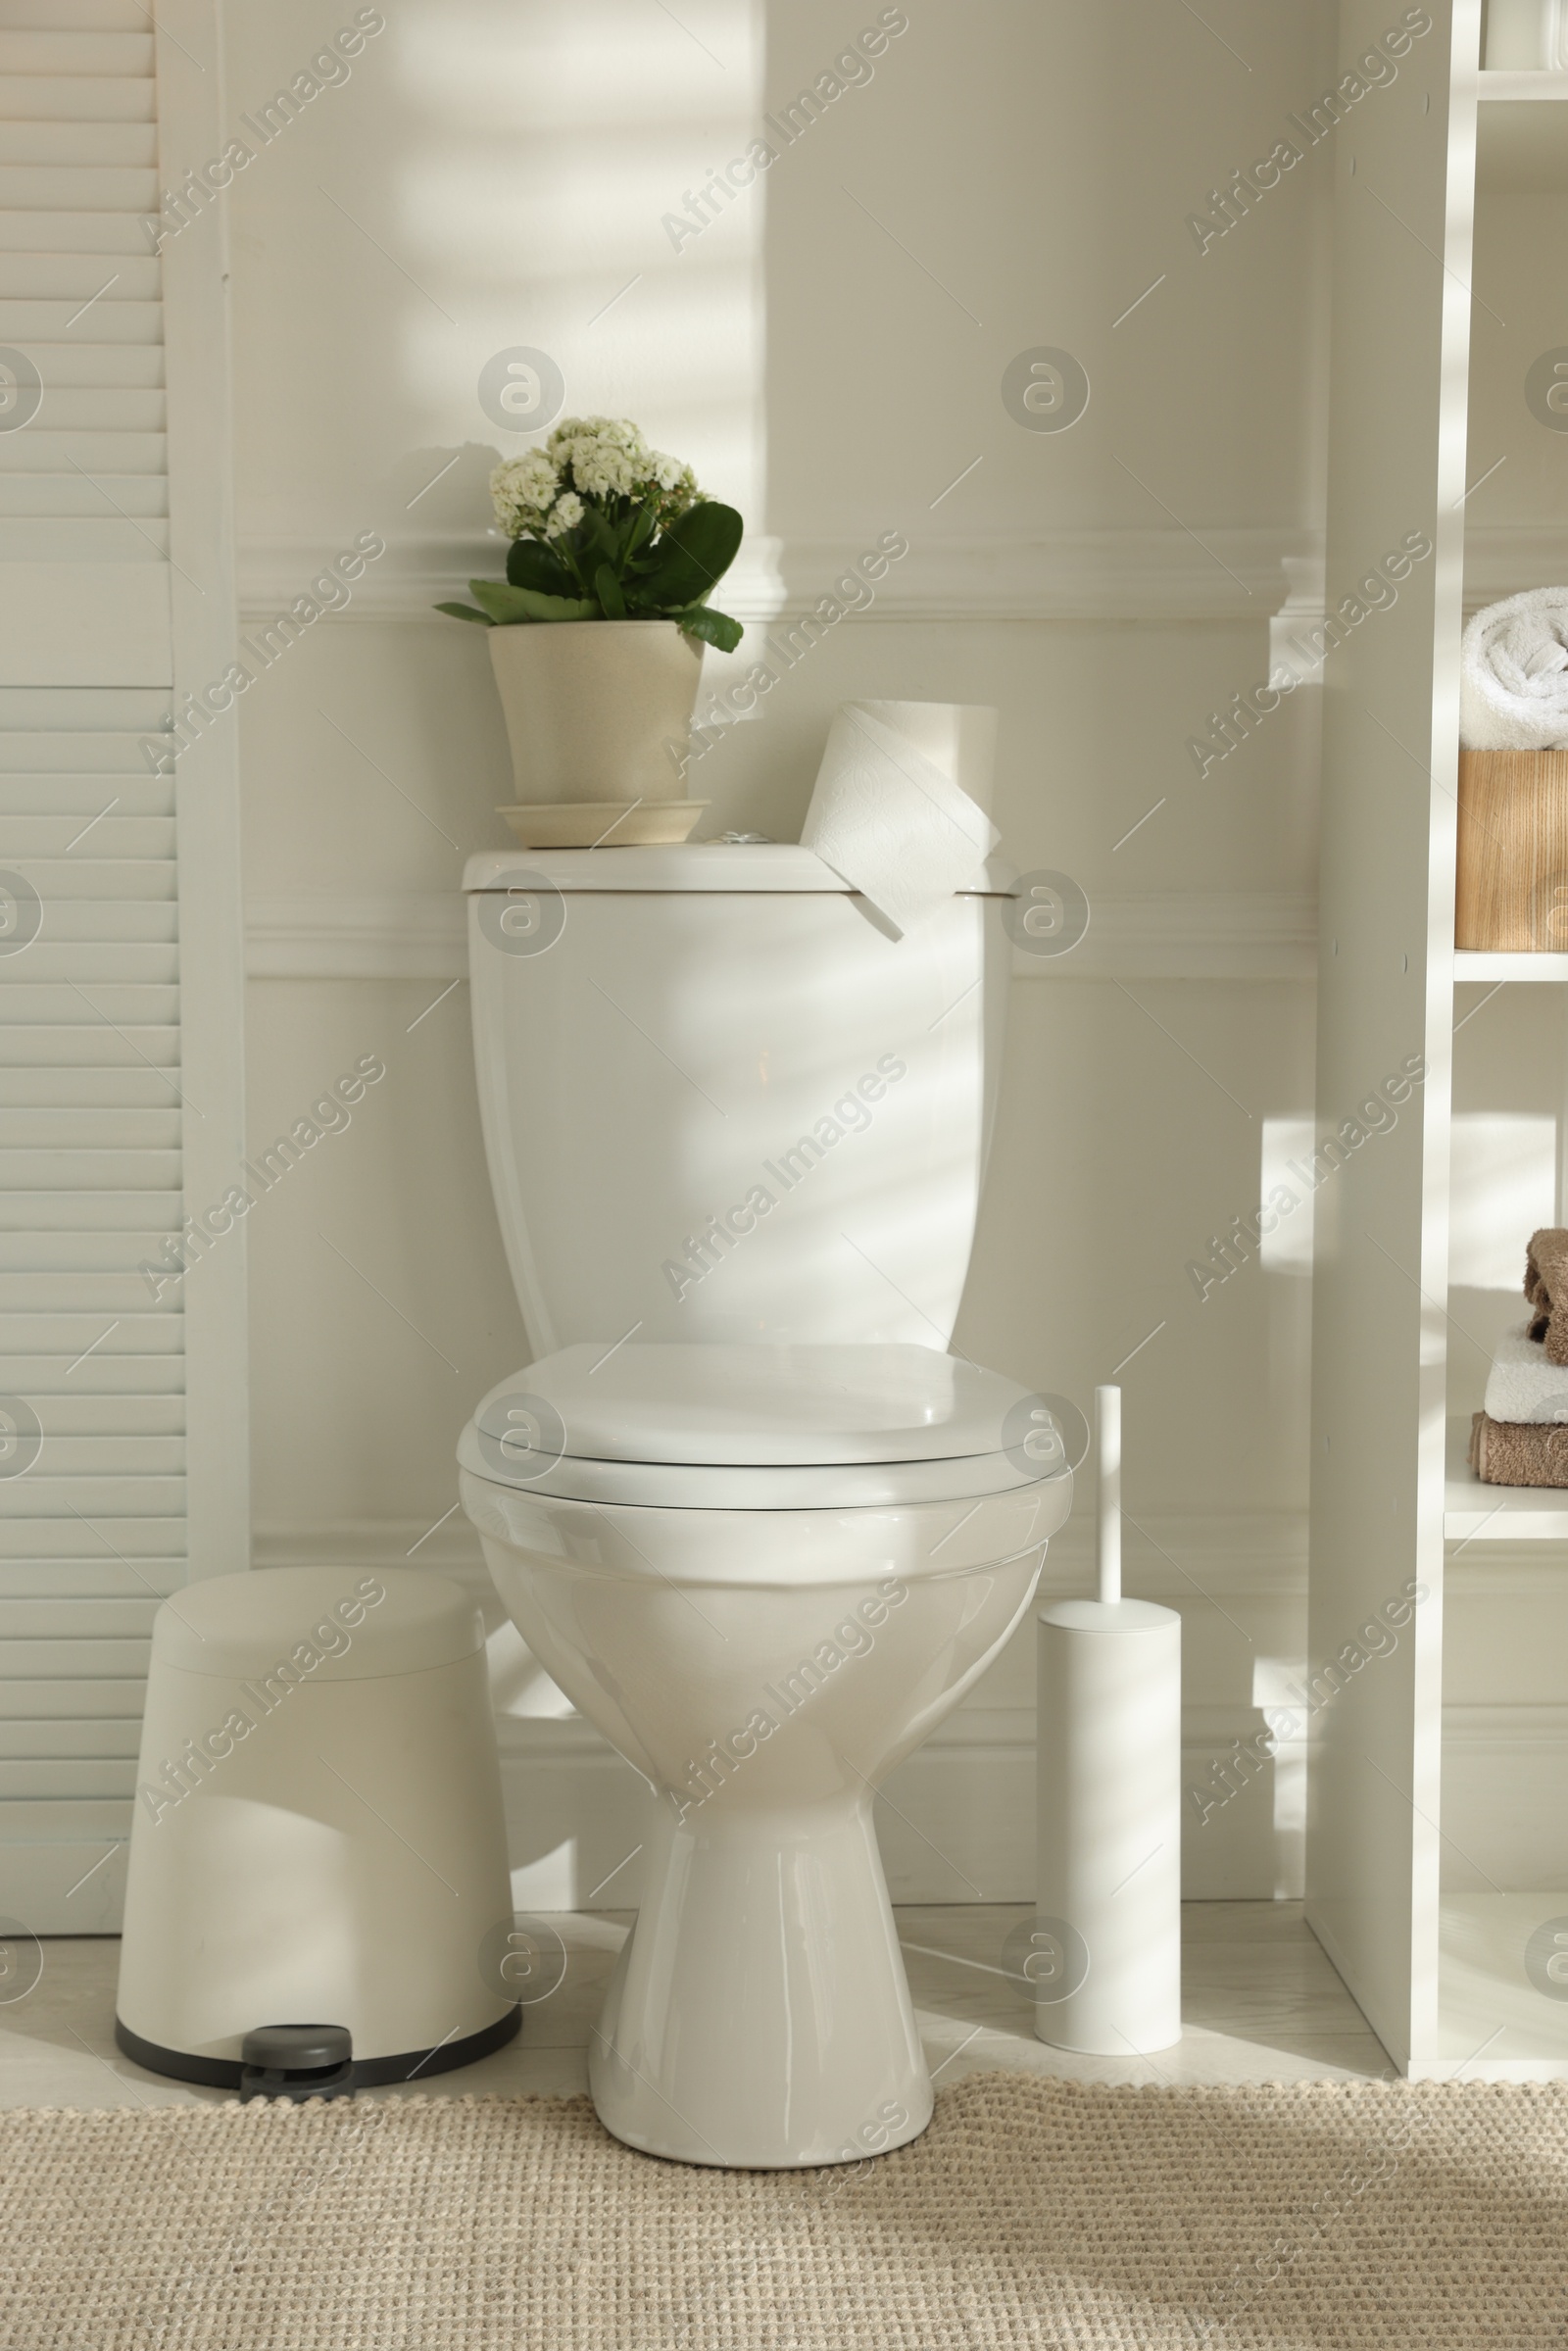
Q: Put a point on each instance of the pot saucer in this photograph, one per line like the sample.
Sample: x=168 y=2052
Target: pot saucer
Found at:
x=602 y=823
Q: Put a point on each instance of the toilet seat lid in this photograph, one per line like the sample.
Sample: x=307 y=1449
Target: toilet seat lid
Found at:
x=759 y=1407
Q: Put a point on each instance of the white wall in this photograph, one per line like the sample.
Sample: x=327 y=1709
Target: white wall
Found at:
x=491 y=175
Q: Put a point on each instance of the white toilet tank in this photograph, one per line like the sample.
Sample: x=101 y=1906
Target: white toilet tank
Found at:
x=721 y=1103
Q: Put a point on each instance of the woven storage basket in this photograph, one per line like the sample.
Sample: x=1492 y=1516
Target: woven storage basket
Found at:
x=1513 y=883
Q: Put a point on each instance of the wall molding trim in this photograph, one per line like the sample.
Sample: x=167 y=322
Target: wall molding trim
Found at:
x=1270 y=575
x=1493 y=1730
x=962 y=1827
x=1500 y=559
x=1163 y=574
x=1225 y=573
x=1180 y=935
x=1169 y=935
x=415 y=935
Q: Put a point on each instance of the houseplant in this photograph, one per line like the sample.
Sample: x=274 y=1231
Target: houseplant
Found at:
x=596 y=633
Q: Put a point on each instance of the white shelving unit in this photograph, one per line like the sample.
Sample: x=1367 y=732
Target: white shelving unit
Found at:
x=1473 y=1512
x=1528 y=86
x=1442 y=1978
x=1470 y=965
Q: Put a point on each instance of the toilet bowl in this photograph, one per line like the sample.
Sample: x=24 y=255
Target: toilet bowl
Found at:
x=760 y=1526
x=765 y=1573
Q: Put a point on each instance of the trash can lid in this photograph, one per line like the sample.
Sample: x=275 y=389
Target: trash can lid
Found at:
x=334 y=1624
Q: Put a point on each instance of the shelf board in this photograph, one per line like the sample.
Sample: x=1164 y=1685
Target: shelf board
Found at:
x=1513 y=87
x=1497 y=1513
x=1477 y=963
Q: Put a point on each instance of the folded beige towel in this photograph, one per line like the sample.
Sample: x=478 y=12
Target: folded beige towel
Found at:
x=1547 y=1289
x=1513 y=1453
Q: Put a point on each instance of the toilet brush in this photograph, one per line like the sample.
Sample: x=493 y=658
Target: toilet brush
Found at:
x=1105 y=1946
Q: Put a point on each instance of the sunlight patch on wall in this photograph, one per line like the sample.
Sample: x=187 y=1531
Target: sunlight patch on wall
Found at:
x=554 y=70
x=1289 y=1248
x=548 y=228
x=1505 y=1185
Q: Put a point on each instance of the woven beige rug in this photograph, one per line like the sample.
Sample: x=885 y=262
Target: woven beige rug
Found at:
x=1033 y=2212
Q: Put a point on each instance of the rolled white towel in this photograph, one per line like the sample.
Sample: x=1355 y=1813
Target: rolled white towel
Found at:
x=1521 y=1384
x=1513 y=675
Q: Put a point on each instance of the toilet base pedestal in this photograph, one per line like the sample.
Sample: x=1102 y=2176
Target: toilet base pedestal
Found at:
x=758 y=2016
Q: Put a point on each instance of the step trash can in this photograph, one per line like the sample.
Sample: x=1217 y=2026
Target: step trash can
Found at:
x=318 y=1835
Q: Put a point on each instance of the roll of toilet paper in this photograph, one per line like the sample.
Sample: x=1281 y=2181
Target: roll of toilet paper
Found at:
x=959 y=737
x=897 y=808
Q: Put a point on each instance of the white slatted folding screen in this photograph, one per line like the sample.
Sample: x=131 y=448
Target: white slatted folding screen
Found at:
x=113 y=1489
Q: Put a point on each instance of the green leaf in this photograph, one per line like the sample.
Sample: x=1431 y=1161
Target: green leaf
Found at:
x=607 y=588
x=573 y=554
x=508 y=605
x=641 y=532
x=465 y=612
x=715 y=629
x=529 y=564
x=693 y=555
x=598 y=538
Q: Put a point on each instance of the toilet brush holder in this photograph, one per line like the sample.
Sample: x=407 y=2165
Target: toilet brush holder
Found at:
x=1104 y=1957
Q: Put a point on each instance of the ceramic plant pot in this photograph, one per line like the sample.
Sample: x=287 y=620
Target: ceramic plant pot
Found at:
x=597 y=710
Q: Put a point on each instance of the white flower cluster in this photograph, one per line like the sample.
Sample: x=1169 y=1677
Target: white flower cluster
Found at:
x=541 y=493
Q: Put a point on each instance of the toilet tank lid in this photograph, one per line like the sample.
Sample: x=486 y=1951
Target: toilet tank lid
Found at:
x=691 y=867
x=750 y=1405
x=330 y=1623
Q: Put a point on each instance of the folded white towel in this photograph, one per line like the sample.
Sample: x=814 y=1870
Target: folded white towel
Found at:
x=1521 y=1384
x=1513 y=675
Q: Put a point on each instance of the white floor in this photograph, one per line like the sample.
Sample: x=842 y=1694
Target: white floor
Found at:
x=1261 y=2004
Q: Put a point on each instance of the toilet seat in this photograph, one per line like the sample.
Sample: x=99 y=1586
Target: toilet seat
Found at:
x=662 y=1486
x=761 y=1428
